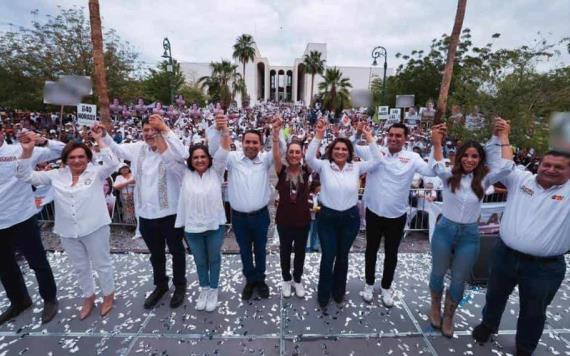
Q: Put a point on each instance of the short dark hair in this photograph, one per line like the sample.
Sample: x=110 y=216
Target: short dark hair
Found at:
x=70 y=146
x=556 y=154
x=348 y=144
x=255 y=132
x=198 y=146
x=399 y=125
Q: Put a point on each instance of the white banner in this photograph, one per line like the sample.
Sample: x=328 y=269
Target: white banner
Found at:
x=86 y=114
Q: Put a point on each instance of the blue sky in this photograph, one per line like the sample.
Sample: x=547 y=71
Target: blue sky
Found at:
x=202 y=31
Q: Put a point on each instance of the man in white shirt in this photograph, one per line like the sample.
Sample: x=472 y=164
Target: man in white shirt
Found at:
x=386 y=199
x=19 y=230
x=156 y=200
x=249 y=191
x=535 y=235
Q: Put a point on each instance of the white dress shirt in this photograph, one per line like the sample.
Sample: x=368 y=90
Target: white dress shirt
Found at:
x=200 y=207
x=463 y=206
x=249 y=188
x=536 y=221
x=388 y=185
x=157 y=188
x=17 y=199
x=80 y=209
x=339 y=188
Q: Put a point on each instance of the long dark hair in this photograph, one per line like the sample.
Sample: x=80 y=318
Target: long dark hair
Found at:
x=348 y=145
x=478 y=173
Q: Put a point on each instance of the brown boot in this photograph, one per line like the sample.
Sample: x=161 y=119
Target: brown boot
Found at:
x=435 y=311
x=448 y=314
x=107 y=304
x=88 y=304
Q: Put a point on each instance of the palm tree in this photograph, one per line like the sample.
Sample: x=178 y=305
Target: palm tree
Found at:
x=334 y=90
x=244 y=51
x=218 y=83
x=100 y=73
x=313 y=65
x=448 y=70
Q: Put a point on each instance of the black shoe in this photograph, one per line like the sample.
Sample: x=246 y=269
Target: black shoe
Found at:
x=247 y=291
x=520 y=352
x=178 y=296
x=338 y=298
x=481 y=333
x=262 y=289
x=323 y=304
x=14 y=310
x=154 y=297
x=50 y=311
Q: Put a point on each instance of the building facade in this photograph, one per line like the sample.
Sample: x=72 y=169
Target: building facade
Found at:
x=291 y=83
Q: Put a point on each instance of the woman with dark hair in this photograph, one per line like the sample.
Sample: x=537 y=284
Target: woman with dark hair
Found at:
x=125 y=183
x=338 y=221
x=455 y=241
x=293 y=214
x=81 y=216
x=201 y=213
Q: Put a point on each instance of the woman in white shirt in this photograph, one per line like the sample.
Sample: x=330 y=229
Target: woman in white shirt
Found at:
x=338 y=221
x=125 y=182
x=455 y=242
x=81 y=216
x=201 y=213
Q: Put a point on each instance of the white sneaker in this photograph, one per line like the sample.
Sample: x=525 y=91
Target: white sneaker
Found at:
x=212 y=302
x=387 y=298
x=299 y=289
x=367 y=293
x=286 y=289
x=202 y=298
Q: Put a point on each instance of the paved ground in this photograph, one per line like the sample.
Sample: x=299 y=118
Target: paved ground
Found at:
x=275 y=326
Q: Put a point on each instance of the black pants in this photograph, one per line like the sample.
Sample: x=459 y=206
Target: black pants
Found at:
x=392 y=230
x=157 y=234
x=25 y=237
x=292 y=239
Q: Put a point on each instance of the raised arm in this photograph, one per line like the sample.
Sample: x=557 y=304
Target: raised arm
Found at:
x=220 y=158
x=24 y=169
x=108 y=158
x=374 y=151
x=311 y=154
x=502 y=166
x=275 y=148
x=438 y=133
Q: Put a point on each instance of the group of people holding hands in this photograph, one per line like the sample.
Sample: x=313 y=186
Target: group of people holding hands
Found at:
x=178 y=196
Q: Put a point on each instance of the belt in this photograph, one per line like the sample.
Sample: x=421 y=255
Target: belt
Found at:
x=528 y=257
x=252 y=213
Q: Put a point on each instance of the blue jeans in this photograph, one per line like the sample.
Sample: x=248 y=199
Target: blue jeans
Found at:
x=314 y=244
x=453 y=246
x=251 y=236
x=337 y=231
x=538 y=281
x=206 y=248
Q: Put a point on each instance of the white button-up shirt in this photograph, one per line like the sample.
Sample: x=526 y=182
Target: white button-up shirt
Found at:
x=388 y=185
x=536 y=221
x=249 y=188
x=16 y=196
x=463 y=206
x=200 y=207
x=339 y=188
x=80 y=209
x=157 y=188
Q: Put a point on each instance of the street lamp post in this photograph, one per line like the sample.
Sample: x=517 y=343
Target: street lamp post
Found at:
x=169 y=67
x=377 y=52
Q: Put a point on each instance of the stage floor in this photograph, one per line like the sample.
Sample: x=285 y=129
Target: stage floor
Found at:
x=274 y=326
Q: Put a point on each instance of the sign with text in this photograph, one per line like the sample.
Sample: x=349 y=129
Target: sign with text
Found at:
x=395 y=115
x=86 y=114
x=383 y=112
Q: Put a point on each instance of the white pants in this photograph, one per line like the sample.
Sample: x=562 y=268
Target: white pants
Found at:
x=91 y=252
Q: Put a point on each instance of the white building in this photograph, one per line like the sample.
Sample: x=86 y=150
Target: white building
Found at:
x=291 y=83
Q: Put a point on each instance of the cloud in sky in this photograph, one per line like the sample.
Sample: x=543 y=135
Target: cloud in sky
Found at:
x=205 y=30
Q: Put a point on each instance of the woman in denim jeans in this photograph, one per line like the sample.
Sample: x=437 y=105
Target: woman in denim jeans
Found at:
x=201 y=212
x=338 y=220
x=455 y=242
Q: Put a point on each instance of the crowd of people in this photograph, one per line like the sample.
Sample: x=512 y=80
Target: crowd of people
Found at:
x=180 y=171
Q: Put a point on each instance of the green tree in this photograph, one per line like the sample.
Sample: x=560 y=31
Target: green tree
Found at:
x=376 y=90
x=218 y=83
x=193 y=94
x=57 y=45
x=313 y=65
x=334 y=90
x=158 y=82
x=244 y=51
